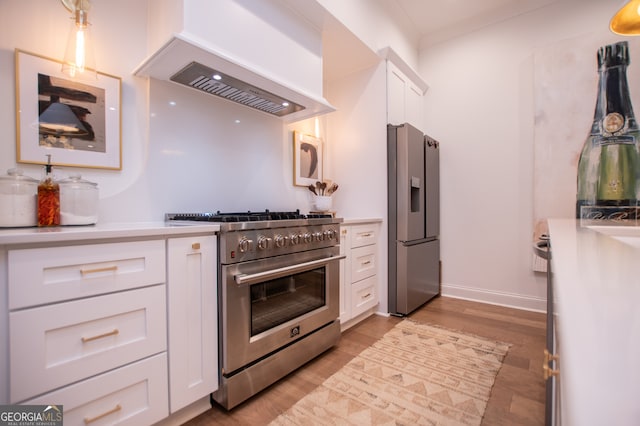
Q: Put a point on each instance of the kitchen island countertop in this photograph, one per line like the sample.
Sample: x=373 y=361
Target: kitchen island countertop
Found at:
x=57 y=234
x=596 y=281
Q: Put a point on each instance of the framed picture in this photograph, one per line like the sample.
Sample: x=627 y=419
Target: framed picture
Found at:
x=77 y=122
x=307 y=159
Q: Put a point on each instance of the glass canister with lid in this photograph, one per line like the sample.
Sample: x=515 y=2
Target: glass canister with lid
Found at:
x=78 y=201
x=18 y=199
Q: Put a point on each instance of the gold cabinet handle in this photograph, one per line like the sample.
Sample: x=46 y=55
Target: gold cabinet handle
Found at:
x=195 y=246
x=366 y=262
x=548 y=357
x=548 y=372
x=84 y=272
x=113 y=332
x=366 y=296
x=368 y=234
x=115 y=409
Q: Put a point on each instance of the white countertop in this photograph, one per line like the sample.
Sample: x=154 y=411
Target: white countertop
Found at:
x=108 y=230
x=359 y=220
x=55 y=234
x=596 y=280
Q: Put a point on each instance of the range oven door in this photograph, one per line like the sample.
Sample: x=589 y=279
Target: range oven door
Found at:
x=270 y=303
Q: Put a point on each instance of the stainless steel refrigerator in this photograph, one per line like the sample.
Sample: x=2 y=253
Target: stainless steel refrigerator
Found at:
x=414 y=218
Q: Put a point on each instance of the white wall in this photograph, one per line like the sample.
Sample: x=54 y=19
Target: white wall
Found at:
x=189 y=156
x=376 y=26
x=42 y=27
x=480 y=105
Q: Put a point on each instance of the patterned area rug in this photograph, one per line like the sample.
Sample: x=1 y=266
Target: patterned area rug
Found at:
x=416 y=374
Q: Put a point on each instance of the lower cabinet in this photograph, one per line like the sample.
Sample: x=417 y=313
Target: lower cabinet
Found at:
x=359 y=273
x=132 y=395
x=193 y=329
x=54 y=345
x=121 y=332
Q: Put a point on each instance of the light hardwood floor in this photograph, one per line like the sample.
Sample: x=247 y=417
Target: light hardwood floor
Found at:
x=517 y=397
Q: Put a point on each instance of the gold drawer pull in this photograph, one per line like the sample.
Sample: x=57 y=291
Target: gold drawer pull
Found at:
x=113 y=332
x=366 y=296
x=195 y=246
x=84 y=272
x=548 y=372
x=366 y=262
x=548 y=357
x=368 y=234
x=115 y=409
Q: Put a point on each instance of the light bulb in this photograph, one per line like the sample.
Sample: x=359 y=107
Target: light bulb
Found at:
x=78 y=56
x=80 y=49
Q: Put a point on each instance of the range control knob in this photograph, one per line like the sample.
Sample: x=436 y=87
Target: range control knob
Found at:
x=244 y=245
x=280 y=241
x=329 y=234
x=294 y=238
x=306 y=237
x=263 y=242
x=318 y=236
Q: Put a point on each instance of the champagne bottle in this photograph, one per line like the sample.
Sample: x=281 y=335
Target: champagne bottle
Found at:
x=609 y=166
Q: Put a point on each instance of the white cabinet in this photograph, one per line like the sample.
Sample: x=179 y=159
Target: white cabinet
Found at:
x=193 y=330
x=359 y=286
x=46 y=275
x=80 y=316
x=405 y=100
x=131 y=395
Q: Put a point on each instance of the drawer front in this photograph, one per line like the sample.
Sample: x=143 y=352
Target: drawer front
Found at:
x=364 y=295
x=363 y=262
x=364 y=235
x=132 y=395
x=45 y=275
x=54 y=345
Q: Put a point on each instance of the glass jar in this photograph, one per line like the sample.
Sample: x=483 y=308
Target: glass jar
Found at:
x=18 y=197
x=78 y=201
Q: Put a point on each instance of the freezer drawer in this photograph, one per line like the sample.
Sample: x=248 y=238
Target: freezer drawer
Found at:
x=418 y=274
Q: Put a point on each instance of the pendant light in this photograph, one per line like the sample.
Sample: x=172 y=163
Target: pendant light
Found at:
x=627 y=20
x=78 y=57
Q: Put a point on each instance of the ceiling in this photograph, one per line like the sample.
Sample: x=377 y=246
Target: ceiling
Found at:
x=435 y=20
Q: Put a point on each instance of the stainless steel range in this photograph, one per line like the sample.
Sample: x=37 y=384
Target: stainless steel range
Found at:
x=278 y=287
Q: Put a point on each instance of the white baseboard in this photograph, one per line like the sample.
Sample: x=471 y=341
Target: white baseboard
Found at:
x=510 y=300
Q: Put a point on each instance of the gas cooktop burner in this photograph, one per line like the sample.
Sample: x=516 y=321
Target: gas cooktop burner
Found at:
x=243 y=216
x=252 y=220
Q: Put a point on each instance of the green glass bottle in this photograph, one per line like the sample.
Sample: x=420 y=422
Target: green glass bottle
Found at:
x=609 y=165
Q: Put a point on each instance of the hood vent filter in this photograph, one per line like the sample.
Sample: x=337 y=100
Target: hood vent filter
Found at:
x=209 y=80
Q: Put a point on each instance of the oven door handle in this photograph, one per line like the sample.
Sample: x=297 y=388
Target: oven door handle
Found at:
x=248 y=279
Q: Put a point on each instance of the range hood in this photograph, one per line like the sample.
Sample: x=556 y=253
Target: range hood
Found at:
x=185 y=61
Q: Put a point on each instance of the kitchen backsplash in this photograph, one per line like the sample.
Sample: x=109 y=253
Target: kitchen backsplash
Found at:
x=206 y=153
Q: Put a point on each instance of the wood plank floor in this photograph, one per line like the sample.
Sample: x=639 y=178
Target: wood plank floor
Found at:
x=517 y=397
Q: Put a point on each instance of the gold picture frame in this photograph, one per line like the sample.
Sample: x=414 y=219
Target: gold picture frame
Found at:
x=76 y=121
x=307 y=159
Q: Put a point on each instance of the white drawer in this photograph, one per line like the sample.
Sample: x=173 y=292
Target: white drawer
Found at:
x=364 y=235
x=364 y=295
x=132 y=395
x=54 y=345
x=363 y=262
x=45 y=275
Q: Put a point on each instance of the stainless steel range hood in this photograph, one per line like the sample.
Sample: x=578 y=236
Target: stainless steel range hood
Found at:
x=189 y=63
x=212 y=81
